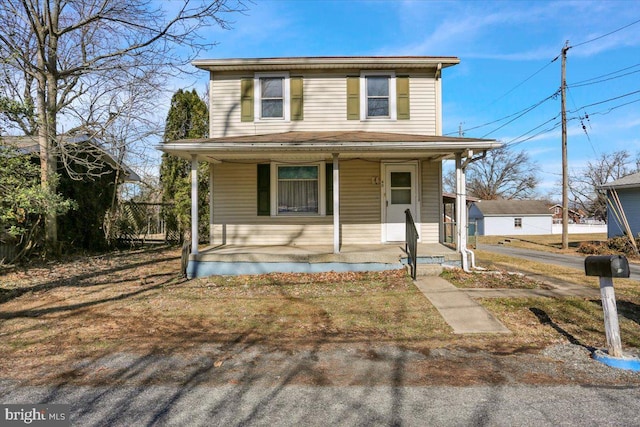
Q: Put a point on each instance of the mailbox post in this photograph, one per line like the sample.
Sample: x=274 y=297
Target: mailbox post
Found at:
x=606 y=268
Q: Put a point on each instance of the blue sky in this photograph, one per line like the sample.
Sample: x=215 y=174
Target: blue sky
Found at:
x=506 y=49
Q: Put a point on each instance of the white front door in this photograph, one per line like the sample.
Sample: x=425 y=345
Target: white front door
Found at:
x=399 y=195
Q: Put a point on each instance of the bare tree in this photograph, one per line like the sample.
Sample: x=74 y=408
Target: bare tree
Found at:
x=584 y=185
x=502 y=174
x=58 y=54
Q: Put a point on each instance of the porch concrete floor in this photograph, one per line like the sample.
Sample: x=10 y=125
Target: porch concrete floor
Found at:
x=374 y=253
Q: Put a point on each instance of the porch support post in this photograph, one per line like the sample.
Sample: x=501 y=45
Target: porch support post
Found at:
x=461 y=210
x=211 y=234
x=336 y=204
x=194 y=204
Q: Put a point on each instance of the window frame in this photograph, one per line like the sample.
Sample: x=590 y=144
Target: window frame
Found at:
x=286 y=97
x=517 y=222
x=393 y=108
x=322 y=188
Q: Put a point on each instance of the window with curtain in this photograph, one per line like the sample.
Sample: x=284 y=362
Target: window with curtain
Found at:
x=298 y=189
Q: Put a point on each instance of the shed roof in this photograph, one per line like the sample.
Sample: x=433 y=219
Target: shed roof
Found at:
x=629 y=181
x=28 y=144
x=513 y=207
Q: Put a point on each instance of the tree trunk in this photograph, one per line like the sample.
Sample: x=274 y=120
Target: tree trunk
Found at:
x=47 y=111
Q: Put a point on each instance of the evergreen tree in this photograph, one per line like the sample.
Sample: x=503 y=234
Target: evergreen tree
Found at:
x=187 y=118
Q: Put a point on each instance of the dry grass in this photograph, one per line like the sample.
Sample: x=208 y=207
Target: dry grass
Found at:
x=57 y=315
x=546 y=242
x=578 y=320
x=493 y=278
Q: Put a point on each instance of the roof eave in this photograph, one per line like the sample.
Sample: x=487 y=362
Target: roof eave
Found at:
x=222 y=151
x=328 y=62
x=620 y=186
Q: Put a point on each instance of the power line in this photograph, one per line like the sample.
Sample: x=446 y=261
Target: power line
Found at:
x=605 y=101
x=524 y=110
x=524 y=81
x=587 y=82
x=607 y=34
x=603 y=80
x=582 y=82
x=513 y=141
x=517 y=140
x=605 y=112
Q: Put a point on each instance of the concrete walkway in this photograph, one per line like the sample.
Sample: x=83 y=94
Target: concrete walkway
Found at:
x=466 y=316
x=458 y=309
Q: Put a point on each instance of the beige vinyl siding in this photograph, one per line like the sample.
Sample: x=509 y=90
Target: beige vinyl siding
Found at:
x=273 y=234
x=235 y=213
x=360 y=208
x=325 y=107
x=430 y=202
x=235 y=208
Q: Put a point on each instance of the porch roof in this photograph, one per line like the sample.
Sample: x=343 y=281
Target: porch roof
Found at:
x=324 y=144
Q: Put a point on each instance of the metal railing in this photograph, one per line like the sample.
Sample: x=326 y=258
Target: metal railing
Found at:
x=411 y=243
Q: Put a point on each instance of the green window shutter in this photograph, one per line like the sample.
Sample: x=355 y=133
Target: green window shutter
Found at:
x=402 y=94
x=297 y=104
x=353 y=98
x=264 y=190
x=246 y=100
x=328 y=177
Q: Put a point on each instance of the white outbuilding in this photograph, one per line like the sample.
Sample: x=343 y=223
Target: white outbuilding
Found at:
x=511 y=217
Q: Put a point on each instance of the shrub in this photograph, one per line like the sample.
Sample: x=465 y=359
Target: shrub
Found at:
x=621 y=245
x=590 y=248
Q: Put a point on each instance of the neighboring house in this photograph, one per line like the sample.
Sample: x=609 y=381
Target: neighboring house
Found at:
x=575 y=217
x=88 y=174
x=324 y=151
x=76 y=146
x=511 y=217
x=627 y=190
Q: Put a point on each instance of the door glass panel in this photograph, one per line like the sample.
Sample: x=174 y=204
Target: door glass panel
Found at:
x=401 y=179
x=400 y=197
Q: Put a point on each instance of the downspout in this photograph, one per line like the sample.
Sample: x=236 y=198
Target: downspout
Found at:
x=459 y=203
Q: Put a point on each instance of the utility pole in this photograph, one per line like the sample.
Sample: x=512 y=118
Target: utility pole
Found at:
x=565 y=173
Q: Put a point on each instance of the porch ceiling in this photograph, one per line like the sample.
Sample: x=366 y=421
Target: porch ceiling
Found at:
x=322 y=145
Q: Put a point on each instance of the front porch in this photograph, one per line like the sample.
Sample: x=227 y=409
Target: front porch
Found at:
x=262 y=259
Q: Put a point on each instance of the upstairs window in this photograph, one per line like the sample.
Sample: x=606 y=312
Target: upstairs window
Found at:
x=378 y=95
x=272 y=97
x=267 y=97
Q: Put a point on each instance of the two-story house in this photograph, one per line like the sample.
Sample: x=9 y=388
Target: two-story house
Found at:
x=322 y=152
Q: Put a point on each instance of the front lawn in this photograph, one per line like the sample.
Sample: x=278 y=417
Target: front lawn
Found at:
x=58 y=316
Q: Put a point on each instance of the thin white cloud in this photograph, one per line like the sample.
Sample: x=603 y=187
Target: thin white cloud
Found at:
x=470 y=29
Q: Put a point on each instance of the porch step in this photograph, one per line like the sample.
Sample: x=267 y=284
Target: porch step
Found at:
x=429 y=270
x=426 y=270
